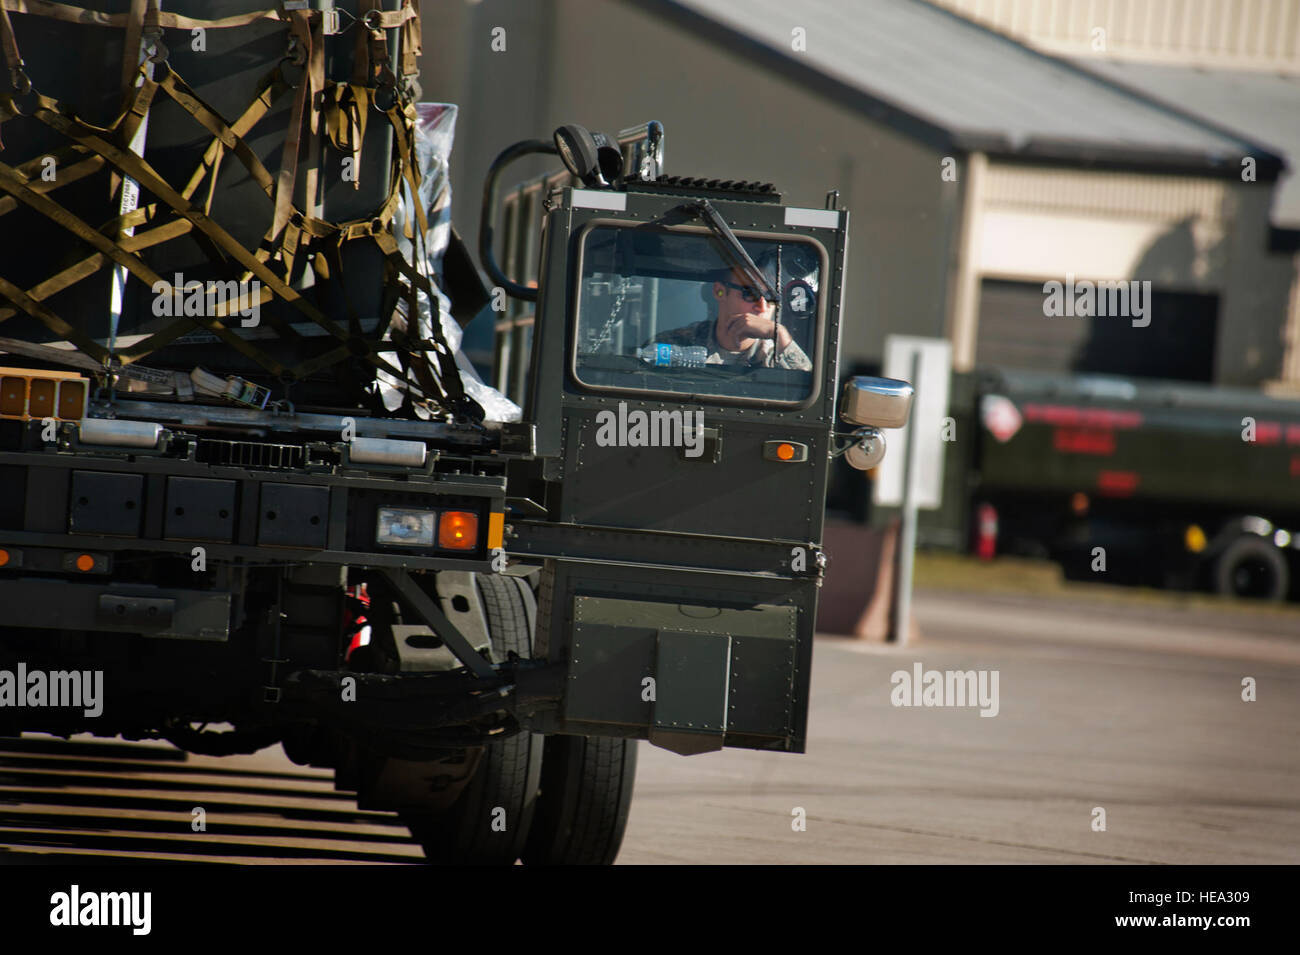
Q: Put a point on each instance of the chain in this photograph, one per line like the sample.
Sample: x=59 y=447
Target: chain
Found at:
x=620 y=295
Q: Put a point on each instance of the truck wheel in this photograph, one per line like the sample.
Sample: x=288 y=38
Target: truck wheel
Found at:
x=586 y=791
x=488 y=824
x=1251 y=567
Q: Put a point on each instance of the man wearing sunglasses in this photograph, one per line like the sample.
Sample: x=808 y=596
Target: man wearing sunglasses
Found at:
x=743 y=330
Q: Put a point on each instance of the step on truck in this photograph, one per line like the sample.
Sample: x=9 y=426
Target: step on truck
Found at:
x=250 y=493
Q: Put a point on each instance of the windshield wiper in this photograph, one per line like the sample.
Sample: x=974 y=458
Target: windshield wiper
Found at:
x=732 y=250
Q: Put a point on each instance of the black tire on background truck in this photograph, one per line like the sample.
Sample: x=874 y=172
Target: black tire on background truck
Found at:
x=1251 y=567
x=586 y=791
x=489 y=823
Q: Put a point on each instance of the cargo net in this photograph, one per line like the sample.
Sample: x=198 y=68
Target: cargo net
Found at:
x=424 y=371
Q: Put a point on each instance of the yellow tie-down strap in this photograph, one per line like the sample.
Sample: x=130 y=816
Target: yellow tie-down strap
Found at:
x=293 y=232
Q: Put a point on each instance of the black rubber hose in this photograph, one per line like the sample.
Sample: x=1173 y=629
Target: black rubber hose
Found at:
x=504 y=158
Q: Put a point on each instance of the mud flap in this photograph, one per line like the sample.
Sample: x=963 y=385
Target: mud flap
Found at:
x=690 y=662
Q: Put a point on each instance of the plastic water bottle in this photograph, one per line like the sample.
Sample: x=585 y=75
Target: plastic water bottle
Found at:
x=664 y=355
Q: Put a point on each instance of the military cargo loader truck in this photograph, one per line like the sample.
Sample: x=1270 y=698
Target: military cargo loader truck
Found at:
x=247 y=482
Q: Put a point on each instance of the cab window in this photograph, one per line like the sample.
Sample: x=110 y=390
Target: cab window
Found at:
x=662 y=310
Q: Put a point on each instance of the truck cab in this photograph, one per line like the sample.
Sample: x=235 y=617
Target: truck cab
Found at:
x=676 y=499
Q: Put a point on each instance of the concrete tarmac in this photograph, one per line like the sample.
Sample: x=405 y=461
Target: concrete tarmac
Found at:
x=1134 y=711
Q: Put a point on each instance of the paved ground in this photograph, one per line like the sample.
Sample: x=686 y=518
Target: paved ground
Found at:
x=1139 y=715
x=1135 y=711
x=101 y=801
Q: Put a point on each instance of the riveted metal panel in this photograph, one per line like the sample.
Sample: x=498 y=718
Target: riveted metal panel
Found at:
x=761 y=685
x=106 y=503
x=761 y=621
x=199 y=509
x=607 y=669
x=293 y=516
x=691 y=672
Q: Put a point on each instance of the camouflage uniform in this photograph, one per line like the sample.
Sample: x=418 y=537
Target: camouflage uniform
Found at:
x=701 y=333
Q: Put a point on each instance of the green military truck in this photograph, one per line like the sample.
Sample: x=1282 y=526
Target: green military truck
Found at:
x=1166 y=484
x=295 y=517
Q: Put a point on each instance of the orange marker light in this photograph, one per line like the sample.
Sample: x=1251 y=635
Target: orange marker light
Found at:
x=496 y=529
x=458 y=530
x=785 y=452
x=85 y=562
x=4 y=556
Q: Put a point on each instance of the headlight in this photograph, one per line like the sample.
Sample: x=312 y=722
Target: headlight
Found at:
x=404 y=527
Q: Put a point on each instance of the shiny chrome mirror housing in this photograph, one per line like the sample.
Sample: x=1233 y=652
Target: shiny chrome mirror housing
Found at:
x=876 y=402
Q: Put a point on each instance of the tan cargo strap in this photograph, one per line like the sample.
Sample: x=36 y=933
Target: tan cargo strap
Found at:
x=345 y=112
x=412 y=46
x=383 y=19
x=184 y=97
x=268 y=91
x=288 y=175
x=31 y=173
x=70 y=14
x=13 y=58
x=131 y=44
x=293 y=232
x=172 y=83
x=134 y=166
x=10 y=183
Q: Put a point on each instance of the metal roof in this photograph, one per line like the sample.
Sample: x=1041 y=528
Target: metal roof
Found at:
x=955 y=84
x=1264 y=107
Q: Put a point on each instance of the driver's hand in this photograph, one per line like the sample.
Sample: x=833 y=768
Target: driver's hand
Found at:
x=756 y=325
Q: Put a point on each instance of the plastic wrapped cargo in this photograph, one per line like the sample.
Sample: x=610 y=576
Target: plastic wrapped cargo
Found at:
x=435 y=135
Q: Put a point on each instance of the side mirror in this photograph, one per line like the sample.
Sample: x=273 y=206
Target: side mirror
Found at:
x=876 y=402
x=867 y=451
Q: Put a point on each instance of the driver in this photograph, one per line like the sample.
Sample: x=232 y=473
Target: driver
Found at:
x=740 y=331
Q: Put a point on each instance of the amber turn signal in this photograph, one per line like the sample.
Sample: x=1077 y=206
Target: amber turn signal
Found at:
x=787 y=452
x=458 y=530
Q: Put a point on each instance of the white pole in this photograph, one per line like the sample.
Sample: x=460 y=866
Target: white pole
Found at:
x=902 y=602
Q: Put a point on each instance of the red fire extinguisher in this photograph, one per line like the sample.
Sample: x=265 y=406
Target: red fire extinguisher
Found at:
x=986 y=532
x=356 y=626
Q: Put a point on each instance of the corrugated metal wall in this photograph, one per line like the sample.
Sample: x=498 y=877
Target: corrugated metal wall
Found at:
x=1053 y=189
x=1236 y=34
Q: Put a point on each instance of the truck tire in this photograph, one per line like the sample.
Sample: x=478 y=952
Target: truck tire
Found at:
x=489 y=823
x=1251 y=567
x=586 y=791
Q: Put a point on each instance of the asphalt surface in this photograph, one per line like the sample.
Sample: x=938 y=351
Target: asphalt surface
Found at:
x=1138 y=712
